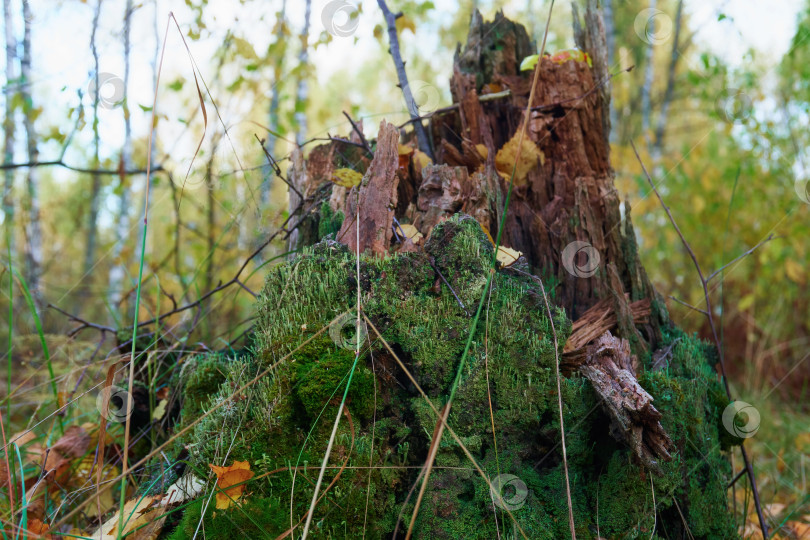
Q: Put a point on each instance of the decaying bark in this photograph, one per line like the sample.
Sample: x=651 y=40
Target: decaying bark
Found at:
x=377 y=199
x=633 y=419
x=595 y=322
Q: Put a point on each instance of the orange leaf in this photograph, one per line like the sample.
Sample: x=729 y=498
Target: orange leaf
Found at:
x=38 y=528
x=238 y=473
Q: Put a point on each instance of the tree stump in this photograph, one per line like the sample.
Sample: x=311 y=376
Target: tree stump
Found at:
x=424 y=233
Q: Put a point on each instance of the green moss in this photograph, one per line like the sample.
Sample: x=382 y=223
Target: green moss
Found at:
x=330 y=221
x=287 y=417
x=200 y=378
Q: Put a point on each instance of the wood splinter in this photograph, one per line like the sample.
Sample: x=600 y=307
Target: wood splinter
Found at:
x=633 y=418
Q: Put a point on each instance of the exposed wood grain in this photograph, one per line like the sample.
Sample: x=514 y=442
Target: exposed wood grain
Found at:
x=377 y=198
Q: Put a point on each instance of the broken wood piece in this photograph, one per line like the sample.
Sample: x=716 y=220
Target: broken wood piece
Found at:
x=596 y=321
x=633 y=418
x=374 y=216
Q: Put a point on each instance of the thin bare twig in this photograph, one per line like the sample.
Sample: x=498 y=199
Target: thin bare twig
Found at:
x=276 y=168
x=413 y=111
x=690 y=306
x=747 y=253
x=359 y=133
x=435 y=269
x=83 y=323
x=60 y=163
x=704 y=283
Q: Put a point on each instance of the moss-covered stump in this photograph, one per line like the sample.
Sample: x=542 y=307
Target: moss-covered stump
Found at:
x=282 y=423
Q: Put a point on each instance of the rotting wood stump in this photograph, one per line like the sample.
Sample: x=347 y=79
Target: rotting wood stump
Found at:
x=564 y=215
x=419 y=290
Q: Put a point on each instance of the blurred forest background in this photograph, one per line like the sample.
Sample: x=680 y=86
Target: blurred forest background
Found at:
x=719 y=117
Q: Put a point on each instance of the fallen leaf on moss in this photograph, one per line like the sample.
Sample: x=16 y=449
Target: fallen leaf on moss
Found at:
x=142 y=520
x=529 y=156
x=347 y=178
x=187 y=487
x=160 y=410
x=410 y=232
x=38 y=529
x=486 y=231
x=22 y=438
x=238 y=473
x=508 y=256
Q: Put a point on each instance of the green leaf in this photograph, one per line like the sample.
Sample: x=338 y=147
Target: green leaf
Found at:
x=529 y=62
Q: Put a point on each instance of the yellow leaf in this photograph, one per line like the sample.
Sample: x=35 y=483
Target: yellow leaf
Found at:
x=410 y=232
x=508 y=256
x=347 y=178
x=746 y=302
x=529 y=156
x=794 y=271
x=802 y=442
x=529 y=62
x=486 y=231
x=421 y=160
x=234 y=475
x=405 y=23
x=141 y=513
x=244 y=48
x=160 y=410
x=482 y=150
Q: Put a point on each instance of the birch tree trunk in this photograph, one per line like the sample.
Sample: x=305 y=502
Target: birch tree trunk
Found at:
x=610 y=40
x=649 y=68
x=301 y=121
x=274 y=103
x=9 y=127
x=303 y=87
x=95 y=188
x=663 y=115
x=33 y=229
x=117 y=272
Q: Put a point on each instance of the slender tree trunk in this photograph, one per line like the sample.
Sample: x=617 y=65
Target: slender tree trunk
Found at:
x=33 y=229
x=649 y=71
x=610 y=41
x=303 y=87
x=300 y=119
x=274 y=103
x=211 y=222
x=663 y=115
x=117 y=270
x=8 y=127
x=402 y=76
x=152 y=151
x=95 y=189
